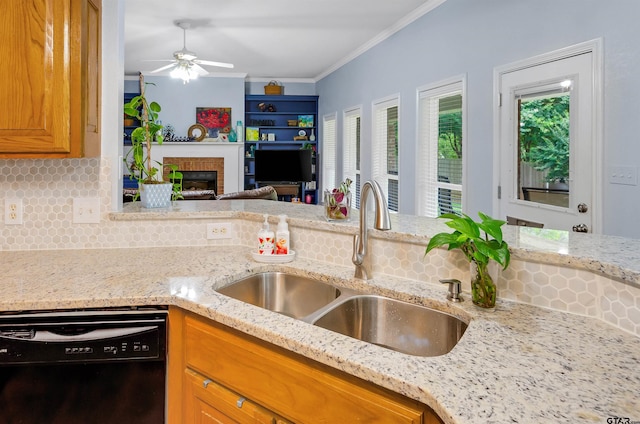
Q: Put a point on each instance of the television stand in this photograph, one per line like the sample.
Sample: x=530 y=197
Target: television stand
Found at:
x=286 y=191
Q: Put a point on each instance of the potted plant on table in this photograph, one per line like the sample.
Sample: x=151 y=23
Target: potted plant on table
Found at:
x=152 y=190
x=478 y=250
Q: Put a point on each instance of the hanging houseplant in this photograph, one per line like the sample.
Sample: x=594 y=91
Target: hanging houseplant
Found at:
x=478 y=250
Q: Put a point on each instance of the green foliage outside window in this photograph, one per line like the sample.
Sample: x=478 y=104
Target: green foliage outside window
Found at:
x=544 y=136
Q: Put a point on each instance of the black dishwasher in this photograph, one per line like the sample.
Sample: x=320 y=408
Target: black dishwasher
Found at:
x=83 y=366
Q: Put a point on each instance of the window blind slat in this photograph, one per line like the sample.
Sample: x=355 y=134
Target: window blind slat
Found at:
x=439 y=188
x=351 y=149
x=329 y=151
x=385 y=149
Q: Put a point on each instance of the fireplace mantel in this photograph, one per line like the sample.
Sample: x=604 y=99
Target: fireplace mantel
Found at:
x=230 y=152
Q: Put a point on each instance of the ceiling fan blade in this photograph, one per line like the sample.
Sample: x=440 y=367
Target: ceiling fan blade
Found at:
x=199 y=69
x=210 y=63
x=171 y=65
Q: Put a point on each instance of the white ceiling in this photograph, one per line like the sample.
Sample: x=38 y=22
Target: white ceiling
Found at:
x=284 y=39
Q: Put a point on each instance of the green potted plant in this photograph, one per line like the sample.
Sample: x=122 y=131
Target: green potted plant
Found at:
x=478 y=250
x=175 y=177
x=153 y=191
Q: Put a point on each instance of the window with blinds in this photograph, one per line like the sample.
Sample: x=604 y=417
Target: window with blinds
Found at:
x=351 y=151
x=439 y=169
x=385 y=149
x=329 y=152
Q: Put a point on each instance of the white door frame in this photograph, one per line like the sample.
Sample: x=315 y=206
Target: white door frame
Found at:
x=597 y=154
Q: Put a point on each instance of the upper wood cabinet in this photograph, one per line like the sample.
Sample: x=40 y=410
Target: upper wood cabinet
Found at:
x=50 y=78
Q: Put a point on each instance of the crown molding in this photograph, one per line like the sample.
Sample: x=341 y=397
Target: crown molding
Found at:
x=399 y=25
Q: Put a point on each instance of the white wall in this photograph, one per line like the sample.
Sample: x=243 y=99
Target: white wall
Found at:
x=473 y=37
x=179 y=101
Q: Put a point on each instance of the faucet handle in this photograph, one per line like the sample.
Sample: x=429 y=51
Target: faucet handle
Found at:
x=454 y=290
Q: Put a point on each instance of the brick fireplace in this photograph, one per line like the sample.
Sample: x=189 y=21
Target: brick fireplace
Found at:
x=200 y=164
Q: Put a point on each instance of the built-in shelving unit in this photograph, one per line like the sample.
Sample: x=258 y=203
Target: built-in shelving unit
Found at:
x=281 y=122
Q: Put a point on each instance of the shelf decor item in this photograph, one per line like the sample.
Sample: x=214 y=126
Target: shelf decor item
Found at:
x=337 y=202
x=253 y=133
x=138 y=159
x=305 y=121
x=274 y=88
x=478 y=250
x=197 y=132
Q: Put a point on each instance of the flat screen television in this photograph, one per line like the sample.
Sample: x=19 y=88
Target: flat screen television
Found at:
x=276 y=166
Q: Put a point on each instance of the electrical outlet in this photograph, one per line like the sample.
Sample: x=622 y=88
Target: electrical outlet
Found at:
x=13 y=211
x=626 y=175
x=86 y=210
x=219 y=230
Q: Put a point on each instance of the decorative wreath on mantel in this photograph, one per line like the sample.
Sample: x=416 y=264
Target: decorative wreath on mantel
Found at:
x=202 y=132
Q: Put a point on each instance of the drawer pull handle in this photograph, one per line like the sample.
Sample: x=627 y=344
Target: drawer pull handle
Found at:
x=206 y=382
x=240 y=401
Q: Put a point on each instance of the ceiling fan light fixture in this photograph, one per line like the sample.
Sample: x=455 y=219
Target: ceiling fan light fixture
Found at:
x=184 y=71
x=185 y=63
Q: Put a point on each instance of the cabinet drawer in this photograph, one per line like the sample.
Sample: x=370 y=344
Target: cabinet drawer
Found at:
x=292 y=386
x=208 y=402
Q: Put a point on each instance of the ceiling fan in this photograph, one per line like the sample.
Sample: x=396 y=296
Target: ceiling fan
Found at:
x=185 y=63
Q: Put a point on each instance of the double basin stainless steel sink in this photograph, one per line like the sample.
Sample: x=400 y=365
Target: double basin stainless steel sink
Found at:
x=393 y=324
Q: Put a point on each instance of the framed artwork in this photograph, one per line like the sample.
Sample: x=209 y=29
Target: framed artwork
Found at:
x=305 y=121
x=215 y=119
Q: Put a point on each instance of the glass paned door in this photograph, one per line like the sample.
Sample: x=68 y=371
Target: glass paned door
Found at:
x=546 y=144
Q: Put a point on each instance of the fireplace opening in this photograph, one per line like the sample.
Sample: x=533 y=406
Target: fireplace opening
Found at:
x=198 y=185
x=200 y=180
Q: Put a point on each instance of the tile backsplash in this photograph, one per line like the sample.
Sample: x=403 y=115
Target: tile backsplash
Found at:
x=47 y=188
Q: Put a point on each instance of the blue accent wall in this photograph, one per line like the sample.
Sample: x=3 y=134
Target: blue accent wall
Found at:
x=471 y=37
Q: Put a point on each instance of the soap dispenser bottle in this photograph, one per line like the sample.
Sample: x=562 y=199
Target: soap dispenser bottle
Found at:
x=265 y=238
x=282 y=236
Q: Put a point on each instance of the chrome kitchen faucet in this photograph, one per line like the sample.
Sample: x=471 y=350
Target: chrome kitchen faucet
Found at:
x=382 y=221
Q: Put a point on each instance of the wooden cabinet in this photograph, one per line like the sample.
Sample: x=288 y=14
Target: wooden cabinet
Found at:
x=292 y=123
x=208 y=402
x=50 y=78
x=277 y=384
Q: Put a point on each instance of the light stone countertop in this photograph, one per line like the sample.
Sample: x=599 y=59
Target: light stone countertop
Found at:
x=518 y=363
x=615 y=257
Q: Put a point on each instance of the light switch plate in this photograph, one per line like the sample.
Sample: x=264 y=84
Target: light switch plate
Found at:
x=86 y=210
x=627 y=175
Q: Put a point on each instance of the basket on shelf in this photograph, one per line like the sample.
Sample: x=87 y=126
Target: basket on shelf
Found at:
x=274 y=88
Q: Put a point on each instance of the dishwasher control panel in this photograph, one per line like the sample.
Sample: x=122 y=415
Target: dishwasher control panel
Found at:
x=82 y=337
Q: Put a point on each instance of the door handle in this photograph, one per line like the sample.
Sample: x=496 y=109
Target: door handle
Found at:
x=580 y=228
x=583 y=208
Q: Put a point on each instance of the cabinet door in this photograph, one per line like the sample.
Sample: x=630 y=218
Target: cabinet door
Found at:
x=207 y=402
x=296 y=388
x=45 y=79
